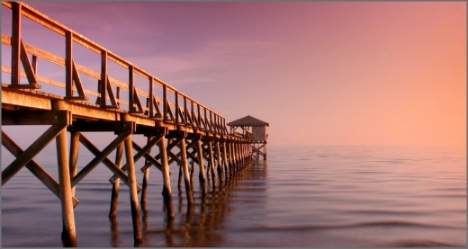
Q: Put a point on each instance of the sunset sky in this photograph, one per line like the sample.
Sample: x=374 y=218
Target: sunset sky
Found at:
x=334 y=73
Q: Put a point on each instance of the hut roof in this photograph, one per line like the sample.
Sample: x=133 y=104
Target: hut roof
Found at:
x=248 y=121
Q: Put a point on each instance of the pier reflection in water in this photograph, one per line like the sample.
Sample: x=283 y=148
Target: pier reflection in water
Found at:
x=320 y=196
x=199 y=225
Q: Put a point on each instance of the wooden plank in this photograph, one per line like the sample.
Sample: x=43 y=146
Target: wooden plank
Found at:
x=119 y=60
x=141 y=120
x=6 y=40
x=7 y=4
x=39 y=78
x=17 y=98
x=42 y=19
x=142 y=72
x=115 y=126
x=141 y=92
x=85 y=42
x=26 y=117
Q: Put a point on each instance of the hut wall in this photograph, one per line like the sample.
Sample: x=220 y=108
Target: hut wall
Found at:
x=259 y=133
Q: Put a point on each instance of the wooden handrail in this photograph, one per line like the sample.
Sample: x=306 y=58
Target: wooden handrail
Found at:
x=61 y=29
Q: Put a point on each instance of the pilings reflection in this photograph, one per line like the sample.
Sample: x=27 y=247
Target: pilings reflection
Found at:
x=195 y=224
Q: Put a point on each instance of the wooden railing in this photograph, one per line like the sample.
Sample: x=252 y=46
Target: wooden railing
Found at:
x=185 y=110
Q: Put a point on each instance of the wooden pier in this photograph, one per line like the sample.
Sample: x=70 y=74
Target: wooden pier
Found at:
x=169 y=120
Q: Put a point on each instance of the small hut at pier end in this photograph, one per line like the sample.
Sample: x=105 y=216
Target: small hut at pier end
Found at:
x=255 y=129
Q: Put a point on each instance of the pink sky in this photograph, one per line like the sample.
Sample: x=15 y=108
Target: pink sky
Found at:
x=366 y=73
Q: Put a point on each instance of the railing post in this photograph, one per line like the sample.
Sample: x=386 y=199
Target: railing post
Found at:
x=176 y=94
x=165 y=102
x=206 y=120
x=131 y=90
x=103 y=85
x=151 y=99
x=68 y=65
x=193 y=113
x=224 y=126
x=185 y=109
x=215 y=121
x=199 y=115
x=15 y=43
x=211 y=122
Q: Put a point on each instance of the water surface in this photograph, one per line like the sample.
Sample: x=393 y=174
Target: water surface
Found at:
x=314 y=196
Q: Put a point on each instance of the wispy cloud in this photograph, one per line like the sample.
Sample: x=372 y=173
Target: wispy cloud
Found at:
x=204 y=63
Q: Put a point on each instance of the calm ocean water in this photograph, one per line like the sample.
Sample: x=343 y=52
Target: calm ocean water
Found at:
x=314 y=196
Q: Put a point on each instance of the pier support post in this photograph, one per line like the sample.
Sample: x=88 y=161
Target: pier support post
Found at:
x=236 y=153
x=74 y=144
x=230 y=167
x=145 y=176
x=220 y=162
x=232 y=156
x=133 y=188
x=241 y=154
x=66 y=197
x=116 y=184
x=212 y=167
x=188 y=189
x=167 y=194
x=201 y=163
x=226 y=173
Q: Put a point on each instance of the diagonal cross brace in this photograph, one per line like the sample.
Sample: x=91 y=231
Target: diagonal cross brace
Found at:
x=141 y=152
x=114 y=168
x=34 y=167
x=100 y=156
x=154 y=161
x=31 y=151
